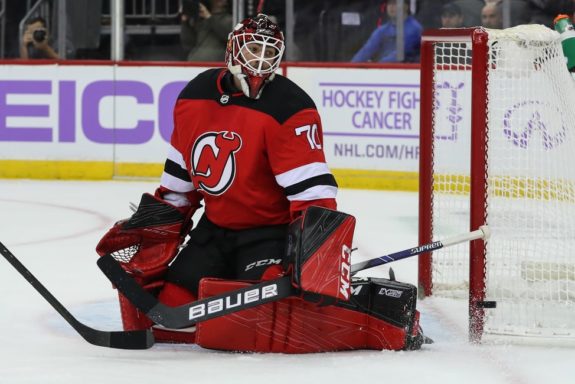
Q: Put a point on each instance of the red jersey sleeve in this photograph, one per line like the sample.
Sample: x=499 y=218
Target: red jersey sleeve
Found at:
x=295 y=151
x=176 y=185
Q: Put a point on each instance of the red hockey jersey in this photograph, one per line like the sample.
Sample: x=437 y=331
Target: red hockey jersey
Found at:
x=254 y=162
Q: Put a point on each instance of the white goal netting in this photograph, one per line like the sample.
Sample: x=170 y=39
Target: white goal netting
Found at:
x=530 y=162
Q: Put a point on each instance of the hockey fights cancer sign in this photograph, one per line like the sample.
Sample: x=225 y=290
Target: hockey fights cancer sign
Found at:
x=370 y=118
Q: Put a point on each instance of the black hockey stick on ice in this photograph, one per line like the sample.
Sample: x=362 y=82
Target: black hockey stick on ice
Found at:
x=189 y=314
x=111 y=339
x=481 y=233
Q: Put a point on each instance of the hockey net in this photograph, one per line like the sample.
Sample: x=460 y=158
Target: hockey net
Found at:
x=498 y=147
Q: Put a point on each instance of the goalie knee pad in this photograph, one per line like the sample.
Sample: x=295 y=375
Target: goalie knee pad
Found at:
x=380 y=315
x=174 y=295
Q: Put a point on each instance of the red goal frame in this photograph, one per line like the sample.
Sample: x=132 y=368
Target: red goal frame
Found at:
x=479 y=64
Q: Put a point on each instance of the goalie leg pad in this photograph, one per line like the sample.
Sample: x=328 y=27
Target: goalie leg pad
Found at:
x=319 y=247
x=380 y=315
x=169 y=294
x=132 y=318
x=393 y=320
x=175 y=295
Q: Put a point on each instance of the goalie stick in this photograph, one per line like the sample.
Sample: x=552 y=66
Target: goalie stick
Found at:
x=189 y=314
x=112 y=339
x=481 y=233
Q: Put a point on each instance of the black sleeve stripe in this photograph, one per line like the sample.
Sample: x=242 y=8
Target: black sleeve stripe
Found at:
x=174 y=169
x=326 y=179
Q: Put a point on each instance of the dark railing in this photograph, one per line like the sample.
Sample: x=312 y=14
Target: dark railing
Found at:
x=142 y=17
x=2 y=27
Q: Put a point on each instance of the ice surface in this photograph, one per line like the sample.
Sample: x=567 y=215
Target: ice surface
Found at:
x=53 y=227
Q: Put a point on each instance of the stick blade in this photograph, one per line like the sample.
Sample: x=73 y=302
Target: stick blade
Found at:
x=132 y=339
x=141 y=339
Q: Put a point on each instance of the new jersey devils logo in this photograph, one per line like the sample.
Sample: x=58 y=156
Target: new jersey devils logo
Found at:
x=213 y=160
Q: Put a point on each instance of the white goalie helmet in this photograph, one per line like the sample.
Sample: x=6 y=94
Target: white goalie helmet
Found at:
x=254 y=52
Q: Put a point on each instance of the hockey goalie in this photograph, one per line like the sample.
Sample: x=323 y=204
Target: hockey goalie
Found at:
x=247 y=144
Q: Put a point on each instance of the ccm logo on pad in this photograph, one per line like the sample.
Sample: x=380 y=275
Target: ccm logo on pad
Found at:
x=345 y=271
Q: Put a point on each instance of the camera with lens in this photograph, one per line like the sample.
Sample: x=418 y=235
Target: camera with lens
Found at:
x=39 y=35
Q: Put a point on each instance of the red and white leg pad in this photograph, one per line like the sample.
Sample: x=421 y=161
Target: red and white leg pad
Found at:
x=173 y=295
x=380 y=315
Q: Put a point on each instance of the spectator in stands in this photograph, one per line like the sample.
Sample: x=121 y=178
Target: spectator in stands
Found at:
x=451 y=16
x=520 y=11
x=491 y=16
x=471 y=10
x=381 y=45
x=205 y=29
x=335 y=30
x=429 y=17
x=36 y=41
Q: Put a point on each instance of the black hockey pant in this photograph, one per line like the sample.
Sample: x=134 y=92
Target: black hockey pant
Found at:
x=212 y=251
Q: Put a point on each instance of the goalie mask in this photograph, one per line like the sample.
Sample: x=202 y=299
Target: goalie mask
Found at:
x=254 y=52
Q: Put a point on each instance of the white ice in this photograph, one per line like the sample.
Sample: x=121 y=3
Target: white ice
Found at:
x=53 y=227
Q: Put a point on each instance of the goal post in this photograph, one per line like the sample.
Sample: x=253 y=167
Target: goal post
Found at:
x=497 y=147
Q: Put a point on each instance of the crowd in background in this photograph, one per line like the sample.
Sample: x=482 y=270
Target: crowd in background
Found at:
x=324 y=30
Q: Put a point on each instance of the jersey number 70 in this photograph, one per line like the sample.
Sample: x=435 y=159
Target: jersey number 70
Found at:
x=311 y=134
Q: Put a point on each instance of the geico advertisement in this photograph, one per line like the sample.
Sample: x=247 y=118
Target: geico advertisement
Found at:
x=100 y=113
x=370 y=116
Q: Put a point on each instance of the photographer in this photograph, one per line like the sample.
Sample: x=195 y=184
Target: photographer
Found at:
x=35 y=41
x=205 y=28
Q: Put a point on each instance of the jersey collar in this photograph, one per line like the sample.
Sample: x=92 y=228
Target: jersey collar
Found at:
x=226 y=85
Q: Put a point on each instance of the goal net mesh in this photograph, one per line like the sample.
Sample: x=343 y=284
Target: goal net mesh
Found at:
x=530 y=165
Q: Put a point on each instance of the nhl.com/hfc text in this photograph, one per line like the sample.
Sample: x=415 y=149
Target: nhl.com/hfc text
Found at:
x=378 y=151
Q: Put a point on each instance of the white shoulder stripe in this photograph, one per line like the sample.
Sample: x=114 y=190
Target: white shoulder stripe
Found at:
x=175 y=184
x=302 y=173
x=176 y=157
x=315 y=193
